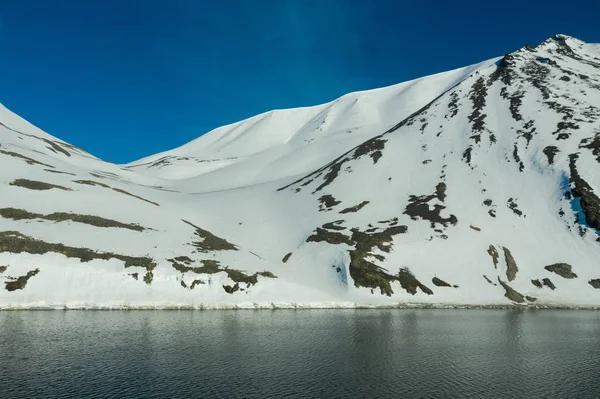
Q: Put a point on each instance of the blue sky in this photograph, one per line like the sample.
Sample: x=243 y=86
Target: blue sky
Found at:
x=127 y=78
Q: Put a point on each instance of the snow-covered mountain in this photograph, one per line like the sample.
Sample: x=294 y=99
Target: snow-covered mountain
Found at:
x=477 y=186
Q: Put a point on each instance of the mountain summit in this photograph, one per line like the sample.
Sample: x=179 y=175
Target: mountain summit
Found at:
x=477 y=186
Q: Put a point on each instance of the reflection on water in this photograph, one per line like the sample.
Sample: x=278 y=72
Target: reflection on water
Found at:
x=308 y=353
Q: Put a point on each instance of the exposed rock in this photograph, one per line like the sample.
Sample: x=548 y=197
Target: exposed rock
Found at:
x=494 y=254
x=548 y=283
x=230 y=290
x=327 y=201
x=210 y=242
x=418 y=208
x=488 y=280
x=15 y=242
x=595 y=283
x=355 y=208
x=511 y=265
x=118 y=190
x=512 y=205
x=20 y=282
x=30 y=161
x=439 y=282
x=286 y=257
x=37 y=185
x=590 y=203
x=562 y=269
x=92 y=220
x=331 y=237
x=334 y=225
x=511 y=293
x=551 y=152
x=410 y=283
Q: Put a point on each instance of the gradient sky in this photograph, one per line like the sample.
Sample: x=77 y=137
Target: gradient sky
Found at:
x=124 y=79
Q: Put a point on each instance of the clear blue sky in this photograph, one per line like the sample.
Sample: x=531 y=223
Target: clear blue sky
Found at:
x=127 y=78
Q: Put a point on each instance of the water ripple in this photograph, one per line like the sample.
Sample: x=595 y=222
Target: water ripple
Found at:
x=300 y=354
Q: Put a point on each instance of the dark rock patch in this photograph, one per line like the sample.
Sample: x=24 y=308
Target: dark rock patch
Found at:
x=563 y=126
x=439 y=282
x=365 y=273
x=286 y=257
x=474 y=228
x=467 y=156
x=20 y=282
x=562 y=269
x=55 y=147
x=592 y=145
x=477 y=96
x=355 y=208
x=590 y=203
x=511 y=293
x=376 y=155
x=516 y=100
x=537 y=283
x=326 y=202
x=548 y=283
x=453 y=105
x=230 y=290
x=196 y=283
x=530 y=298
x=331 y=237
x=3 y=269
x=15 y=242
x=550 y=152
x=511 y=265
x=148 y=277
x=330 y=172
x=595 y=283
x=209 y=266
x=517 y=158
x=210 y=242
x=488 y=280
x=97 y=221
x=410 y=283
x=37 y=185
x=336 y=225
x=513 y=206
x=494 y=254
x=59 y=172
x=118 y=190
x=418 y=208
x=30 y=161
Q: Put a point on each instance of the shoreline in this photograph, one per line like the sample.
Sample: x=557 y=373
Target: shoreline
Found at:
x=403 y=306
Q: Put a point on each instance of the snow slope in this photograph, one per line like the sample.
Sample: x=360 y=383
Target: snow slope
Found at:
x=471 y=187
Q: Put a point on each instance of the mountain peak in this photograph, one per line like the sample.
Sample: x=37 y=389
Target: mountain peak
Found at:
x=478 y=186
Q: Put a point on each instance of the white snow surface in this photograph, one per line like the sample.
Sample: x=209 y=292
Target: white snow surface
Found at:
x=500 y=158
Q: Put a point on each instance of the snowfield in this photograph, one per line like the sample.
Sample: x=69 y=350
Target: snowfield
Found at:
x=474 y=187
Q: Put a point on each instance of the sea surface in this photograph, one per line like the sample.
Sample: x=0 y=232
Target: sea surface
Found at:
x=300 y=354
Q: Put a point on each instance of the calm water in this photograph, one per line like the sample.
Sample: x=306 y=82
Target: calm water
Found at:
x=293 y=354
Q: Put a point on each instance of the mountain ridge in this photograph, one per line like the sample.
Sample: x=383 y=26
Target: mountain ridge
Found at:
x=482 y=192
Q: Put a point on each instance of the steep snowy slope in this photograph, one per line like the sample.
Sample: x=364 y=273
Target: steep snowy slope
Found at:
x=284 y=143
x=472 y=187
